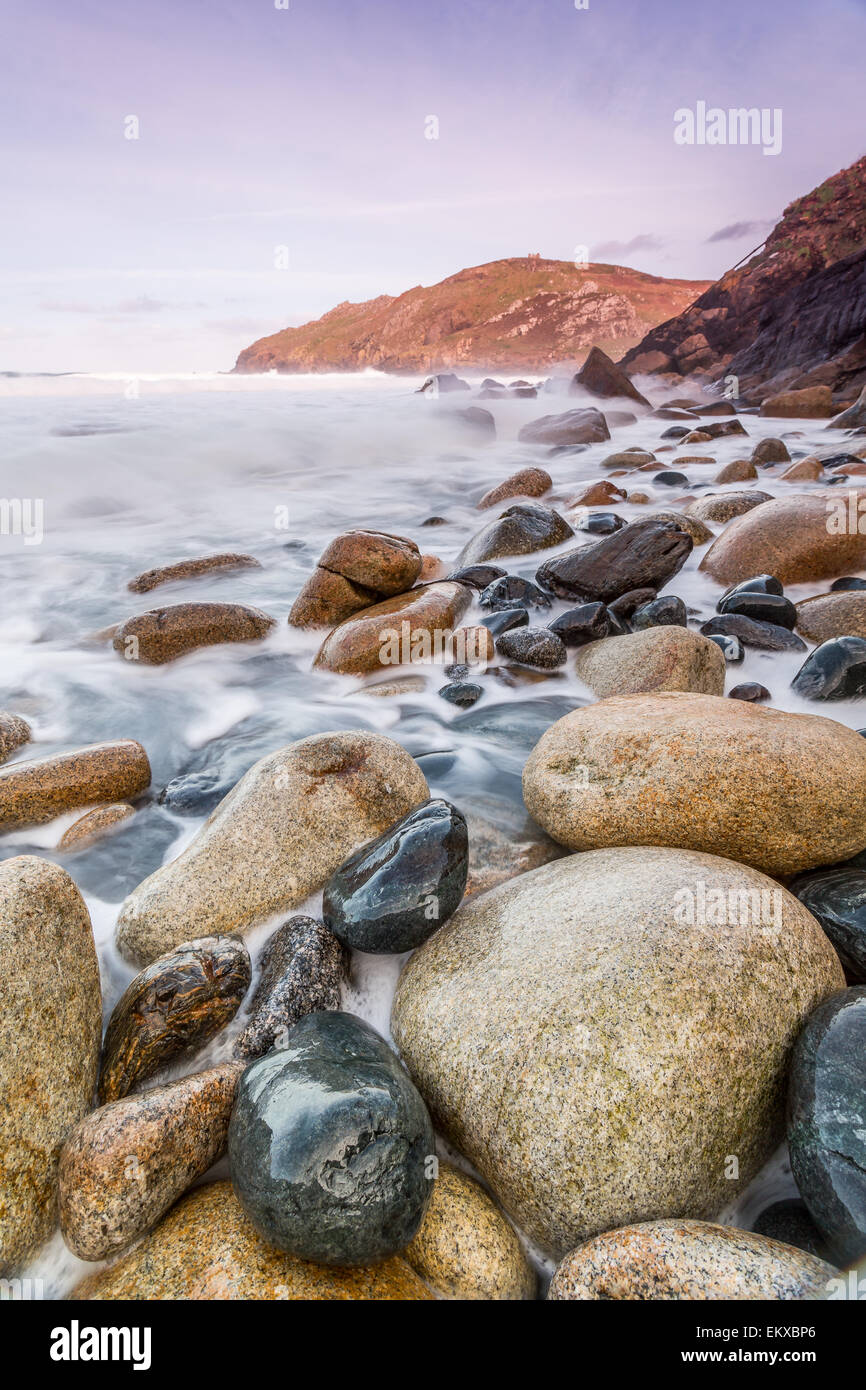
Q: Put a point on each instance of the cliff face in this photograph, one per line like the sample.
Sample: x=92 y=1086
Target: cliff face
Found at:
x=797 y=307
x=515 y=315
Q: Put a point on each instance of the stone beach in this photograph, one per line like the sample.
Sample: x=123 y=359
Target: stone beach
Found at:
x=473 y=869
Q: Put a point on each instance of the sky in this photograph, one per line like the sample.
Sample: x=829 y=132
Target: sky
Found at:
x=181 y=177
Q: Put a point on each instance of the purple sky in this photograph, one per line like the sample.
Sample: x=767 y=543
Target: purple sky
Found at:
x=305 y=128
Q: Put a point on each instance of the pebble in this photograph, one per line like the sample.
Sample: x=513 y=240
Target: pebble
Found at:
x=749 y=690
x=330 y=1145
x=601 y=523
x=477 y=576
x=528 y=482
x=731 y=647
x=392 y=894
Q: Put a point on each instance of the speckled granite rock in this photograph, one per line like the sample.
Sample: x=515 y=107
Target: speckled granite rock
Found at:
x=125 y=1164
x=14 y=733
x=163 y=634
x=330 y=1144
x=390 y=895
x=738 y=471
x=788 y=537
x=503 y=842
x=466 y=1248
x=190 y=569
x=36 y=791
x=527 y=482
x=376 y=560
x=206 y=1248
x=50 y=1028
x=825 y=616
x=597 y=1056
x=723 y=506
x=273 y=840
x=173 y=1006
x=664 y=1260
x=302 y=969
x=356 y=646
x=780 y=791
x=659 y=658
x=827 y=1121
x=520 y=530
x=94 y=824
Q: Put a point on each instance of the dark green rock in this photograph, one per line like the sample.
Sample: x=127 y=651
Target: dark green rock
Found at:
x=827 y=1121
x=329 y=1145
x=834 y=671
x=837 y=897
x=393 y=893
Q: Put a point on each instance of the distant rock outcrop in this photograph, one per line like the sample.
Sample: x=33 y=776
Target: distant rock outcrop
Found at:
x=512 y=315
x=793 y=316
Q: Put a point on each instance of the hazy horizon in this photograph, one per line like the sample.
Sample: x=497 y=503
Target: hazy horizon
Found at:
x=298 y=137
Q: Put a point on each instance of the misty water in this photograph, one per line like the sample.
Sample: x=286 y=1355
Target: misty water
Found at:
x=135 y=476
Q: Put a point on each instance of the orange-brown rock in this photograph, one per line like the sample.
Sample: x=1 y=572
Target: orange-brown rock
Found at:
x=206 y=1248
x=94 y=824
x=38 y=790
x=386 y=564
x=807 y=470
x=328 y=598
x=599 y=494
x=14 y=733
x=528 y=482
x=406 y=628
x=431 y=568
x=163 y=634
x=189 y=569
x=842 y=614
x=739 y=471
x=791 y=538
x=810 y=403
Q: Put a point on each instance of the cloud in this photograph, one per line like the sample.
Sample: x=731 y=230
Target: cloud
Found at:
x=142 y=305
x=737 y=230
x=616 y=249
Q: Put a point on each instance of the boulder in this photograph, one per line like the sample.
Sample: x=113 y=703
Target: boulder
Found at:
x=572 y=427
x=695 y=1260
x=206 y=1248
x=722 y=506
x=770 y=450
x=93 y=825
x=520 y=530
x=811 y=403
x=465 y=1248
x=416 y=626
x=841 y=614
x=601 y=494
x=645 y=554
x=273 y=840
x=383 y=563
x=327 y=598
x=38 y=790
x=125 y=1164
x=50 y=1030
x=330 y=1145
x=599 y=1044
x=777 y=790
x=164 y=634
x=799 y=539
x=854 y=417
x=699 y=533
x=739 y=471
x=602 y=377
x=659 y=658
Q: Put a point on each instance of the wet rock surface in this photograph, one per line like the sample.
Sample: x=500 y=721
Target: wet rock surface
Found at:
x=827 y=1121
x=385 y=633
x=834 y=671
x=539 y=647
x=182 y=570
x=164 y=634
x=392 y=894
x=837 y=898
x=301 y=971
x=586 y=426
x=520 y=530
x=173 y=1006
x=14 y=733
x=329 y=1143
x=36 y=791
x=644 y=553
